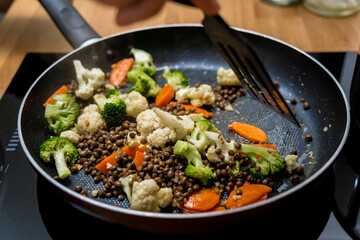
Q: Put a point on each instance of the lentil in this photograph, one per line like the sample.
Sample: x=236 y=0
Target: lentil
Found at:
x=308 y=137
x=306 y=105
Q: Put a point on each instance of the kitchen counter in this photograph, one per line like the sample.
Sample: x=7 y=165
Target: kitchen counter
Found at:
x=26 y=27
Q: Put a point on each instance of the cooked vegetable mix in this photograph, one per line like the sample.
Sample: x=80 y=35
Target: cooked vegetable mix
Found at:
x=155 y=144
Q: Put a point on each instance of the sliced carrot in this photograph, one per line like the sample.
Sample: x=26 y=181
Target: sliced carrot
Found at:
x=165 y=95
x=251 y=193
x=131 y=150
x=119 y=71
x=62 y=90
x=139 y=159
x=109 y=161
x=206 y=113
x=202 y=200
x=217 y=209
x=249 y=132
x=142 y=148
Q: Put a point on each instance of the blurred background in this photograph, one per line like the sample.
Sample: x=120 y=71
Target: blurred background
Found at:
x=4 y=5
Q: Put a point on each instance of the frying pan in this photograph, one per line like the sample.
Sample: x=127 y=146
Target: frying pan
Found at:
x=186 y=47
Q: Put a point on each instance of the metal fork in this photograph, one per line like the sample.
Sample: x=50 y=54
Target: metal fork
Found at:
x=246 y=65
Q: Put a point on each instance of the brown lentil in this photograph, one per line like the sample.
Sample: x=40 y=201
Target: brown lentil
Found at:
x=78 y=188
x=306 y=105
x=308 y=137
x=293 y=101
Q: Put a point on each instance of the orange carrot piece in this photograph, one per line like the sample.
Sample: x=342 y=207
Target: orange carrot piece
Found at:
x=119 y=71
x=251 y=193
x=206 y=113
x=217 y=209
x=203 y=200
x=165 y=95
x=62 y=90
x=143 y=148
x=249 y=132
x=131 y=151
x=103 y=166
x=139 y=159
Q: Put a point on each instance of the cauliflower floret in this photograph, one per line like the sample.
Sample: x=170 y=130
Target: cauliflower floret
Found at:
x=291 y=163
x=90 y=120
x=150 y=126
x=202 y=95
x=226 y=77
x=70 y=135
x=147 y=122
x=89 y=80
x=135 y=103
x=211 y=154
x=126 y=184
x=221 y=143
x=182 y=125
x=165 y=197
x=161 y=136
x=147 y=196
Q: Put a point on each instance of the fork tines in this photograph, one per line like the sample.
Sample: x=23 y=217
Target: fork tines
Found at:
x=246 y=65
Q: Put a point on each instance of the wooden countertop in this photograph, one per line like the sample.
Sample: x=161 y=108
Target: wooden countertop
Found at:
x=27 y=28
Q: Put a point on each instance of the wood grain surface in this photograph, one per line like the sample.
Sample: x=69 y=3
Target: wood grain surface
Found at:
x=26 y=27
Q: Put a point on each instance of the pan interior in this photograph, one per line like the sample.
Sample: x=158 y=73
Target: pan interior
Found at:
x=189 y=50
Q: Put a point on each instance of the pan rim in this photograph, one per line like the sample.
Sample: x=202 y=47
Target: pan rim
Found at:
x=109 y=207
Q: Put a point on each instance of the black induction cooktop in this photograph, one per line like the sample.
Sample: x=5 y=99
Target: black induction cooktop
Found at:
x=29 y=209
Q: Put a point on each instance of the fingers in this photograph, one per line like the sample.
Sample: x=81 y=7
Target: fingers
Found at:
x=130 y=11
x=119 y=3
x=138 y=10
x=210 y=7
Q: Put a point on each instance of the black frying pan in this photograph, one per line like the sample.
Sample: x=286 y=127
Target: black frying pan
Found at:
x=186 y=47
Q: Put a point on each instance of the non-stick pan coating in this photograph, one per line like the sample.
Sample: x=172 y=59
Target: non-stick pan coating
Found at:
x=187 y=48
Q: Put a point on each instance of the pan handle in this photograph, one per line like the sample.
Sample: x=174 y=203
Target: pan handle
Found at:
x=74 y=28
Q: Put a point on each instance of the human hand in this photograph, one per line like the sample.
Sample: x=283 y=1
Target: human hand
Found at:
x=130 y=11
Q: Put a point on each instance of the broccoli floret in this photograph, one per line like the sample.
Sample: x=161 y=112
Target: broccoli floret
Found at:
x=113 y=109
x=197 y=136
x=176 y=79
x=134 y=75
x=143 y=61
x=270 y=163
x=266 y=159
x=262 y=167
x=61 y=151
x=114 y=113
x=62 y=114
x=154 y=89
x=143 y=69
x=142 y=86
x=195 y=167
x=151 y=89
x=112 y=92
x=235 y=169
